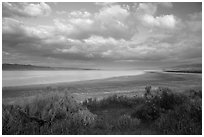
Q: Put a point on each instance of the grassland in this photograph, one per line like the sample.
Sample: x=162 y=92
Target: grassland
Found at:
x=127 y=85
x=119 y=105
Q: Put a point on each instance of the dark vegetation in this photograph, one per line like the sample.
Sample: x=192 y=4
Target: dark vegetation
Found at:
x=159 y=111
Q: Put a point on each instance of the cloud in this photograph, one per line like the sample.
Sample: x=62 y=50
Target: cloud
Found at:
x=17 y=28
x=114 y=11
x=113 y=33
x=117 y=21
x=79 y=14
x=104 y=3
x=62 y=28
x=146 y=8
x=165 y=21
x=110 y=21
x=61 y=12
x=20 y=38
x=25 y=9
x=166 y=4
x=194 y=23
x=145 y=15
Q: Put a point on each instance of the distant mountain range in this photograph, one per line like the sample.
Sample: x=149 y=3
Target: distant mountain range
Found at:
x=187 y=68
x=33 y=67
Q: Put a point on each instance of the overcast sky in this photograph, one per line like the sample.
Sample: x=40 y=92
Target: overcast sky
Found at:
x=102 y=35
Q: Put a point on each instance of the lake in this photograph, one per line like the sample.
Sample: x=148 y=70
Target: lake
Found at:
x=20 y=78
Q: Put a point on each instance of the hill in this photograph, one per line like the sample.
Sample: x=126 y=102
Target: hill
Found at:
x=186 y=68
x=33 y=67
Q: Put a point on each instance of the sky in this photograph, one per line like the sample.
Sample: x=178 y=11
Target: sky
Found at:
x=102 y=35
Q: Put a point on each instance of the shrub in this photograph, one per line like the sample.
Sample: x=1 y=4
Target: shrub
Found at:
x=51 y=114
x=195 y=94
x=126 y=122
x=170 y=113
x=101 y=123
x=146 y=113
x=13 y=122
x=163 y=101
x=112 y=102
x=186 y=119
x=148 y=91
x=167 y=99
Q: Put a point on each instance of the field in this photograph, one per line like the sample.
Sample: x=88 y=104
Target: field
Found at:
x=128 y=85
x=143 y=104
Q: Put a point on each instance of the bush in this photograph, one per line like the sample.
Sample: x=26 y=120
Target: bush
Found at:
x=14 y=123
x=113 y=102
x=167 y=99
x=126 y=122
x=195 y=94
x=51 y=114
x=168 y=112
x=102 y=124
x=159 y=103
x=172 y=113
x=186 y=119
x=146 y=113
